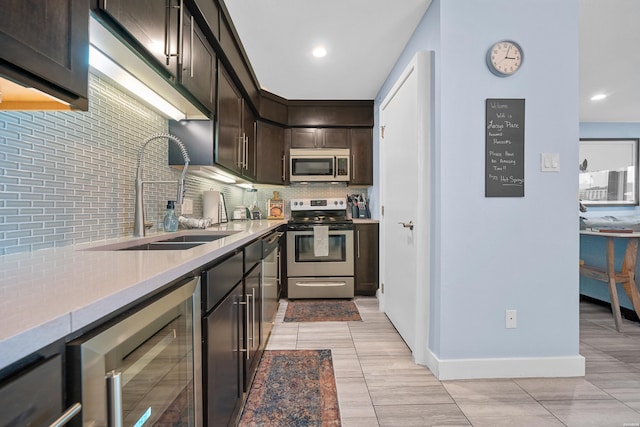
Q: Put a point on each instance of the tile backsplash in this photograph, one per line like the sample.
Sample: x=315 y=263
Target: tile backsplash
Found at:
x=68 y=177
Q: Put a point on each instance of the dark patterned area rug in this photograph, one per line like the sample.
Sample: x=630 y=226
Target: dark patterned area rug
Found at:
x=293 y=388
x=321 y=311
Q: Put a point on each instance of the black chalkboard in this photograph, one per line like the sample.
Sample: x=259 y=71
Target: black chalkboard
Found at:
x=504 y=140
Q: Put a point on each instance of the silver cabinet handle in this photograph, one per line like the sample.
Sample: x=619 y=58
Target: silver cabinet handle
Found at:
x=358 y=243
x=114 y=399
x=407 y=225
x=240 y=149
x=190 y=48
x=246 y=152
x=67 y=416
x=284 y=167
x=239 y=303
x=248 y=351
x=253 y=320
x=167 y=32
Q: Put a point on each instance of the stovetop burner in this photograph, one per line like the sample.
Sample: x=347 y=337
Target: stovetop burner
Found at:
x=310 y=212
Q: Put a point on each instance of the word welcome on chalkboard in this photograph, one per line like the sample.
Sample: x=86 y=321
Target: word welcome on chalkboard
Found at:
x=504 y=141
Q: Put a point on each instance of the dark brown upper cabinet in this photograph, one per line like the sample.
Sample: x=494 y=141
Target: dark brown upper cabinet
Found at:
x=208 y=16
x=236 y=142
x=45 y=45
x=271 y=155
x=198 y=63
x=151 y=27
x=235 y=58
x=319 y=113
x=361 y=140
x=319 y=138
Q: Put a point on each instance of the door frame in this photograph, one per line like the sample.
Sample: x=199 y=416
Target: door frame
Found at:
x=422 y=65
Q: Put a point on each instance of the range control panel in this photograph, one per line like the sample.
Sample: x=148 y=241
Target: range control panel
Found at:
x=319 y=204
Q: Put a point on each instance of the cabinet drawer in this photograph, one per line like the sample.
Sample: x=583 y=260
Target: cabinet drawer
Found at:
x=219 y=280
x=252 y=255
x=34 y=397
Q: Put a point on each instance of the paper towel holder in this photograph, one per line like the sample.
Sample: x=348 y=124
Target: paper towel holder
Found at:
x=222 y=210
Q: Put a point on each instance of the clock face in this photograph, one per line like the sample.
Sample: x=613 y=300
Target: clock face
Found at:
x=504 y=58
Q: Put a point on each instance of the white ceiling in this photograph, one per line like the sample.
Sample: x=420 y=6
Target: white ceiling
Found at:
x=364 y=38
x=610 y=60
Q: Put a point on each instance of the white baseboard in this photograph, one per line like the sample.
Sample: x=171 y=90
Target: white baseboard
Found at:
x=521 y=367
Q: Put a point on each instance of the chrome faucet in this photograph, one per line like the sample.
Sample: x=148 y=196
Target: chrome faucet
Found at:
x=138 y=219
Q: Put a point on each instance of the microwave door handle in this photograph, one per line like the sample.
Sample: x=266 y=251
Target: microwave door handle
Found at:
x=335 y=167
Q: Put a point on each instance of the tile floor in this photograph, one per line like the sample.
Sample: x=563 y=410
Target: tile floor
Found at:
x=378 y=384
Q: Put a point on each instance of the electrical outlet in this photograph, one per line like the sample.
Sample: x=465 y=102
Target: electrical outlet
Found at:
x=510 y=319
x=187 y=206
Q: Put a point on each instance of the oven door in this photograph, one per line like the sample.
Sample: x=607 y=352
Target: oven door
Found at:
x=302 y=261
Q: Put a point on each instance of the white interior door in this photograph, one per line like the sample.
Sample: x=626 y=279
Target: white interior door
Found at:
x=405 y=181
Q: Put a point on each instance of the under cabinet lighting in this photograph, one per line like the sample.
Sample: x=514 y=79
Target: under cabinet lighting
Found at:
x=120 y=76
x=598 y=97
x=245 y=185
x=221 y=178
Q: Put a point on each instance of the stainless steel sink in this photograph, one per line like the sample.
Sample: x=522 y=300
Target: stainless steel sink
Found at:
x=162 y=246
x=185 y=240
x=201 y=238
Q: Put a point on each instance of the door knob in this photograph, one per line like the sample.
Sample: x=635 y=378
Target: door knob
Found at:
x=408 y=225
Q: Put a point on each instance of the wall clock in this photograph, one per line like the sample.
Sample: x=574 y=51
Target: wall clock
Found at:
x=504 y=58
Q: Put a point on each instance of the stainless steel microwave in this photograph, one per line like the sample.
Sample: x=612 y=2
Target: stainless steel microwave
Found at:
x=319 y=164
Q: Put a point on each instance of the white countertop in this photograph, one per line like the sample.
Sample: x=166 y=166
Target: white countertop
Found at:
x=608 y=233
x=49 y=294
x=365 y=221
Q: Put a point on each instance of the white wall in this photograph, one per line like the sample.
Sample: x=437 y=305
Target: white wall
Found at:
x=493 y=254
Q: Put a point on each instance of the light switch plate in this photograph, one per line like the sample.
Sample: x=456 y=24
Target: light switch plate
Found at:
x=187 y=206
x=549 y=162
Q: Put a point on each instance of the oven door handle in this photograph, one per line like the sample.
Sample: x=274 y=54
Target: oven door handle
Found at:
x=320 y=284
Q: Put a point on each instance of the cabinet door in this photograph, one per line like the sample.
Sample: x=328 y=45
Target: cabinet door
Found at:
x=249 y=149
x=253 y=318
x=271 y=159
x=362 y=156
x=47 y=45
x=198 y=70
x=229 y=143
x=333 y=138
x=223 y=360
x=303 y=137
x=366 y=259
x=150 y=26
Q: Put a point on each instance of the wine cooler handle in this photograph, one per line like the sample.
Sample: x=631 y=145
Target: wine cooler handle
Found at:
x=114 y=399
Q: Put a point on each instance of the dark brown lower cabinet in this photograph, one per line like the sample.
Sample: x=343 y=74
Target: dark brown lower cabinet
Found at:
x=366 y=258
x=224 y=389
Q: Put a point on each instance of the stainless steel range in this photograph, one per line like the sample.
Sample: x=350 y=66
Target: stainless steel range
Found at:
x=320 y=249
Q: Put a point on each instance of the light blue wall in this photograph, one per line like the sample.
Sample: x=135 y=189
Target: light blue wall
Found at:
x=493 y=254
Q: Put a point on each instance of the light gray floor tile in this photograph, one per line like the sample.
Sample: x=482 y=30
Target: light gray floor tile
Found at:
x=508 y=414
x=597 y=413
x=407 y=393
x=486 y=391
x=421 y=415
x=561 y=389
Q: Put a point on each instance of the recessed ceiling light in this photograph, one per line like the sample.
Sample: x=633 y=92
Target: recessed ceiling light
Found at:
x=319 y=52
x=598 y=97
